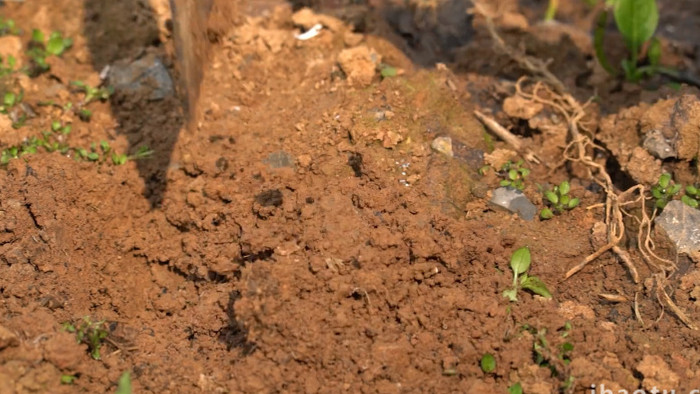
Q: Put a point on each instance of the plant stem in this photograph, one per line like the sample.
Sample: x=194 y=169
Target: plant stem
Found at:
x=551 y=10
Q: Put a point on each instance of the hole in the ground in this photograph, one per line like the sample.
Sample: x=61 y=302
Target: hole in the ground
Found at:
x=234 y=335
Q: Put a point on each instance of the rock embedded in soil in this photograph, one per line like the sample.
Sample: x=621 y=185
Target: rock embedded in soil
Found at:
x=672 y=128
x=514 y=201
x=359 y=64
x=682 y=225
x=146 y=76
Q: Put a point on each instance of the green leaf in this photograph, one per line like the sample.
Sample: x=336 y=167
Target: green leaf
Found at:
x=535 y=285
x=664 y=180
x=488 y=363
x=636 y=20
x=564 y=188
x=567 y=347
x=690 y=189
x=573 y=203
x=505 y=183
x=565 y=200
x=551 y=196
x=546 y=213
x=691 y=202
x=388 y=71
x=93 y=156
x=124 y=385
x=515 y=389
x=598 y=41
x=513 y=175
x=520 y=261
x=67 y=379
x=654 y=52
x=9 y=100
x=674 y=190
x=37 y=36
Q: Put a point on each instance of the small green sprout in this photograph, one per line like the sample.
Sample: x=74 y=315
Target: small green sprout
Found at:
x=124 y=385
x=558 y=200
x=516 y=388
x=40 y=49
x=691 y=197
x=664 y=190
x=90 y=333
x=7 y=66
x=9 y=100
x=387 y=71
x=8 y=26
x=488 y=363
x=520 y=264
x=67 y=379
x=93 y=93
x=514 y=175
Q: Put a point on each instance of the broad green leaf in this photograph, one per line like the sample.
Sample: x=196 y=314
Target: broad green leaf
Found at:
x=675 y=189
x=513 y=174
x=520 y=261
x=691 y=202
x=567 y=347
x=488 y=363
x=636 y=20
x=10 y=99
x=664 y=180
x=535 y=285
x=551 y=196
x=388 y=72
x=565 y=200
x=691 y=189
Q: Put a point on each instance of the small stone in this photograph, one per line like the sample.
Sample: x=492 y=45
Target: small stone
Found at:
x=146 y=75
x=443 y=145
x=682 y=226
x=359 y=64
x=514 y=201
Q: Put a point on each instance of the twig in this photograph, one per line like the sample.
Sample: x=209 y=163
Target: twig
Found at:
x=510 y=138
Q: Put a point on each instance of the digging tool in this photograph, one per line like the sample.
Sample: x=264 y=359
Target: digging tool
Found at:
x=190 y=19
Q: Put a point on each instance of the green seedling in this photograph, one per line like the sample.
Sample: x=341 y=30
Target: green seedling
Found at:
x=7 y=65
x=8 y=27
x=90 y=333
x=40 y=49
x=516 y=388
x=664 y=190
x=9 y=100
x=488 y=363
x=514 y=175
x=520 y=264
x=387 y=71
x=93 y=93
x=556 y=358
x=558 y=201
x=637 y=21
x=67 y=379
x=124 y=385
x=691 y=197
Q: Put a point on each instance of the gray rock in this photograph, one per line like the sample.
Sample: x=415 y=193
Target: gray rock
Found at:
x=515 y=201
x=146 y=75
x=682 y=226
x=658 y=145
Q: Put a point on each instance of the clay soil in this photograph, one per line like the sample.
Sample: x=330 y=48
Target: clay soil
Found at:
x=305 y=237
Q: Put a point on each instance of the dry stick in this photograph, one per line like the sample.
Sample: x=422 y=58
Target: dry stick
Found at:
x=502 y=133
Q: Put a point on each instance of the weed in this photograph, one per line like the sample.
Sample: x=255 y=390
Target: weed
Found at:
x=40 y=49
x=520 y=264
x=637 y=21
x=488 y=363
x=664 y=190
x=556 y=358
x=516 y=388
x=558 y=200
x=124 y=385
x=514 y=175
x=692 y=196
x=7 y=66
x=9 y=100
x=387 y=71
x=67 y=379
x=8 y=26
x=90 y=333
x=93 y=93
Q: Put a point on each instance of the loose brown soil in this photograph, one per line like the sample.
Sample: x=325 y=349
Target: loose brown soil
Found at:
x=305 y=238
